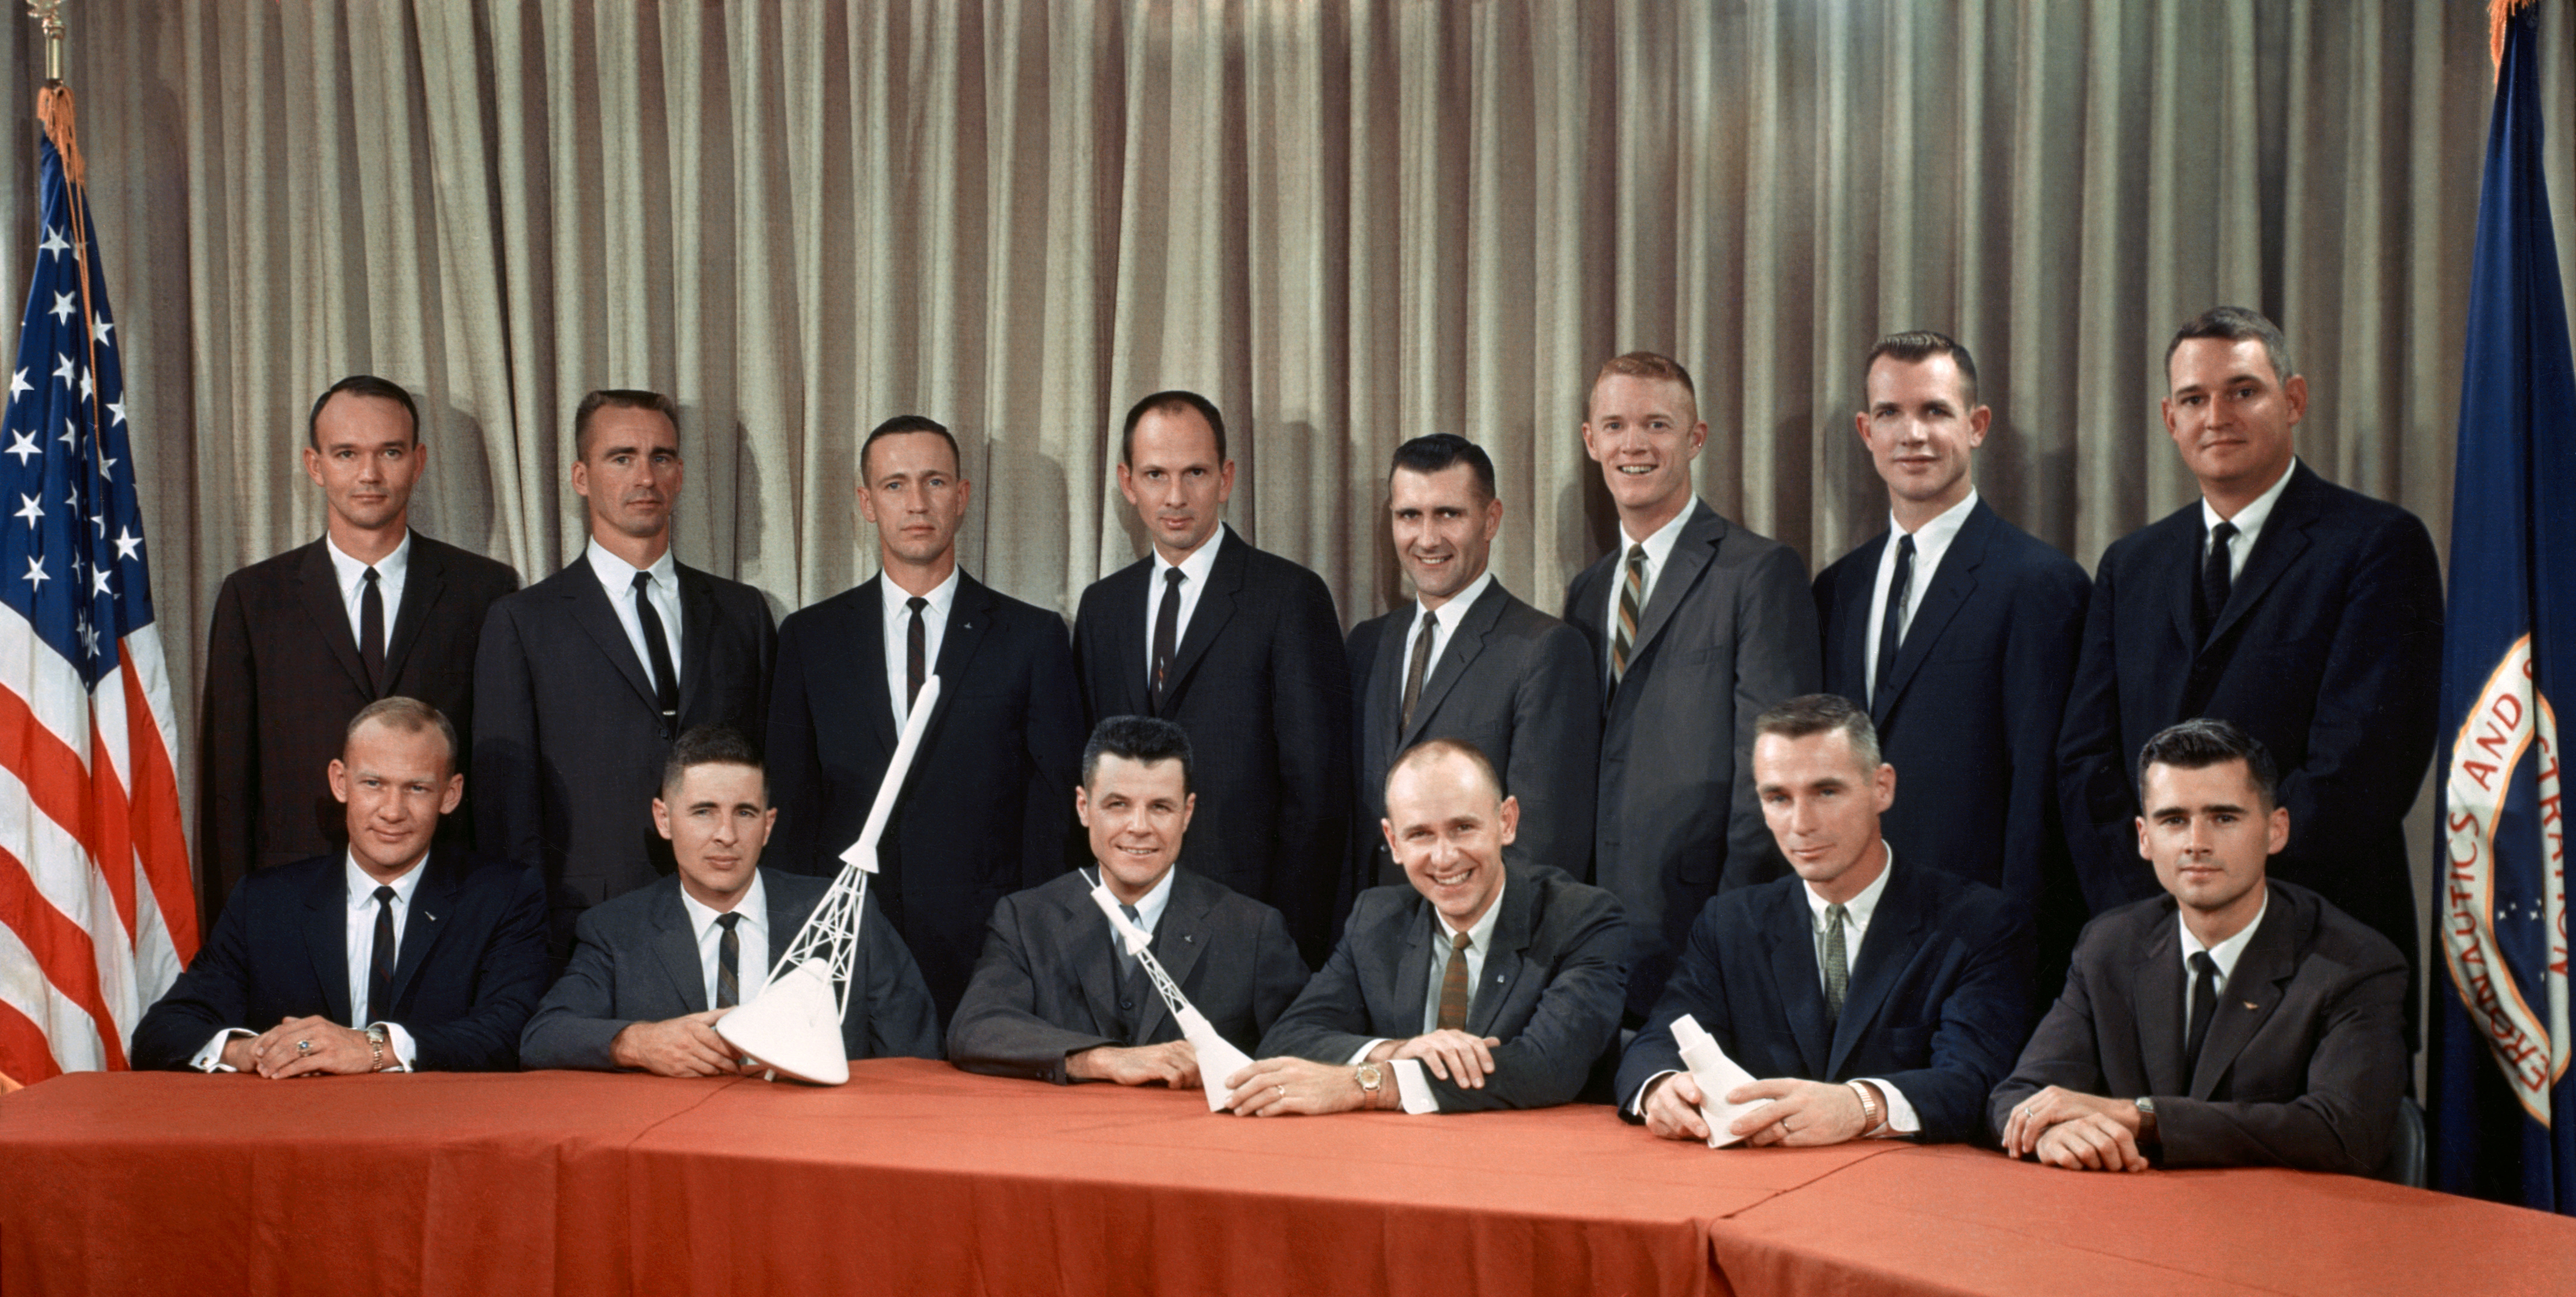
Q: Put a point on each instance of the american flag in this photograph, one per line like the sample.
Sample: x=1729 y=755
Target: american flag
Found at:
x=97 y=910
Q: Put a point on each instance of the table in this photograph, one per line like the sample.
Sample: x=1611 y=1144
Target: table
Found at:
x=918 y=1179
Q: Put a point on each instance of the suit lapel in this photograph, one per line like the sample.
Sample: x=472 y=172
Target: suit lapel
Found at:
x=1413 y=966
x=1129 y=670
x=1178 y=939
x=1792 y=934
x=2252 y=992
x=697 y=633
x=970 y=617
x=787 y=918
x=326 y=936
x=320 y=584
x=1465 y=642
x=867 y=661
x=2284 y=539
x=423 y=579
x=1851 y=640
x=1952 y=583
x=1103 y=961
x=675 y=947
x=1216 y=608
x=431 y=904
x=1895 y=937
x=1692 y=553
x=598 y=619
x=1383 y=710
x=1503 y=962
x=2159 y=999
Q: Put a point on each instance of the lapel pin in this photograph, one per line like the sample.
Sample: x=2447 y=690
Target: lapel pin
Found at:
x=2252 y=1005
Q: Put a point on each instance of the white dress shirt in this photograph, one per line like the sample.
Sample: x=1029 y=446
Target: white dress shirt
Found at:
x=617 y=577
x=1194 y=579
x=1931 y=541
x=1149 y=908
x=352 y=576
x=2224 y=954
x=898 y=637
x=360 y=943
x=2249 y=523
x=1411 y=1087
x=1443 y=620
x=751 y=969
x=1659 y=548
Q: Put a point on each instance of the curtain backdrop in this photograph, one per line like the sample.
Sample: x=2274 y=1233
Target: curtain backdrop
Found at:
x=1349 y=221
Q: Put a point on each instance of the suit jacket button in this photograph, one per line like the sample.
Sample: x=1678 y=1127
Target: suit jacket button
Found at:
x=1126 y=1004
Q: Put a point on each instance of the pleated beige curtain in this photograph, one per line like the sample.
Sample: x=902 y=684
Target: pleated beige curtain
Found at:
x=1350 y=221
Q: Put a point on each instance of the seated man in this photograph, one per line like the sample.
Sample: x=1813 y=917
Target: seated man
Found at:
x=1053 y=998
x=1875 y=1001
x=1505 y=980
x=647 y=966
x=2235 y=1020
x=332 y=940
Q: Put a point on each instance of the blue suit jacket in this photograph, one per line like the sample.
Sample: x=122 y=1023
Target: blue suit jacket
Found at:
x=466 y=975
x=1969 y=716
x=1937 y=1005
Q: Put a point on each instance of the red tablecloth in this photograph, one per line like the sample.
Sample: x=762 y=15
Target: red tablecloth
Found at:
x=918 y=1179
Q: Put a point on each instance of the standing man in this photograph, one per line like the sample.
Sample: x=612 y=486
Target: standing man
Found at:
x=1959 y=637
x=981 y=814
x=304 y=640
x=2309 y=615
x=2233 y=1020
x=1696 y=625
x=1244 y=650
x=1056 y=998
x=1466 y=660
x=584 y=679
x=655 y=968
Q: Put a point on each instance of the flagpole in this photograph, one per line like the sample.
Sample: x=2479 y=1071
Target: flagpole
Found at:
x=50 y=14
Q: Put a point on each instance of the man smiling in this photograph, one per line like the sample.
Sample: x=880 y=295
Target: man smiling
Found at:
x=1480 y=985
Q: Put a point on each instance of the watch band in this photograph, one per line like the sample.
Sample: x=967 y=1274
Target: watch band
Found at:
x=1869 y=1114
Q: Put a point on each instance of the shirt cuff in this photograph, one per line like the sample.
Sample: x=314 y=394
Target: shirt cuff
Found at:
x=1637 y=1101
x=211 y=1058
x=1413 y=1087
x=1361 y=1056
x=398 y=1042
x=1899 y=1120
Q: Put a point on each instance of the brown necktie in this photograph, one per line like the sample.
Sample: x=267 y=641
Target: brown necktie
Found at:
x=1428 y=629
x=1453 y=986
x=1632 y=598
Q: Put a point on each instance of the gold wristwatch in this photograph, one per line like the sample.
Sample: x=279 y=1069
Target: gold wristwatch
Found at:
x=1370 y=1076
x=377 y=1039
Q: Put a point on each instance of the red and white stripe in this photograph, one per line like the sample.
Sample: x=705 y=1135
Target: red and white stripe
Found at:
x=97 y=909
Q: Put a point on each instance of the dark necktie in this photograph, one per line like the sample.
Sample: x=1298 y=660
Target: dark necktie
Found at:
x=2214 y=579
x=729 y=962
x=1632 y=598
x=657 y=651
x=1167 y=630
x=1837 y=966
x=1131 y=971
x=380 y=961
x=913 y=653
x=1427 y=629
x=1891 y=627
x=1453 y=986
x=2204 y=1006
x=371 y=633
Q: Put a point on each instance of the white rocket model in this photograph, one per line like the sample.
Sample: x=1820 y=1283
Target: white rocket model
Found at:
x=1218 y=1059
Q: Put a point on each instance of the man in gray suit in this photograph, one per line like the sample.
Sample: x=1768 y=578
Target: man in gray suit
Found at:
x=1466 y=660
x=1053 y=999
x=1697 y=625
x=1483 y=985
x=653 y=969
x=2235 y=1020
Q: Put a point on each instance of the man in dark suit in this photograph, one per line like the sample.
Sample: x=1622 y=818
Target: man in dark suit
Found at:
x=2236 y=1020
x=655 y=968
x=1243 y=649
x=386 y=956
x=2314 y=621
x=1876 y=1000
x=1696 y=625
x=304 y=640
x=1482 y=985
x=583 y=679
x=1055 y=999
x=1465 y=660
x=981 y=814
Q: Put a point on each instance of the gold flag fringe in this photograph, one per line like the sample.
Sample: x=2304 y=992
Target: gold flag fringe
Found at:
x=2500 y=12
x=54 y=109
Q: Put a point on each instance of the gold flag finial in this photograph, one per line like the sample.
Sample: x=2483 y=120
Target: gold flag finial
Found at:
x=49 y=13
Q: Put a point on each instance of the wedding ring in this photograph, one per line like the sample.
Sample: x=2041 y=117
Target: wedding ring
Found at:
x=304 y=1047
x=1283 y=1090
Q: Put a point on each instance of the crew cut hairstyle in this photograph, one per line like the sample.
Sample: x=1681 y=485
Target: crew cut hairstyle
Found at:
x=366 y=385
x=901 y=424
x=624 y=398
x=1432 y=749
x=1146 y=740
x=2235 y=324
x=1816 y=713
x=406 y=716
x=1434 y=452
x=1175 y=399
x=711 y=745
x=2206 y=741
x=1645 y=364
x=1914 y=346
